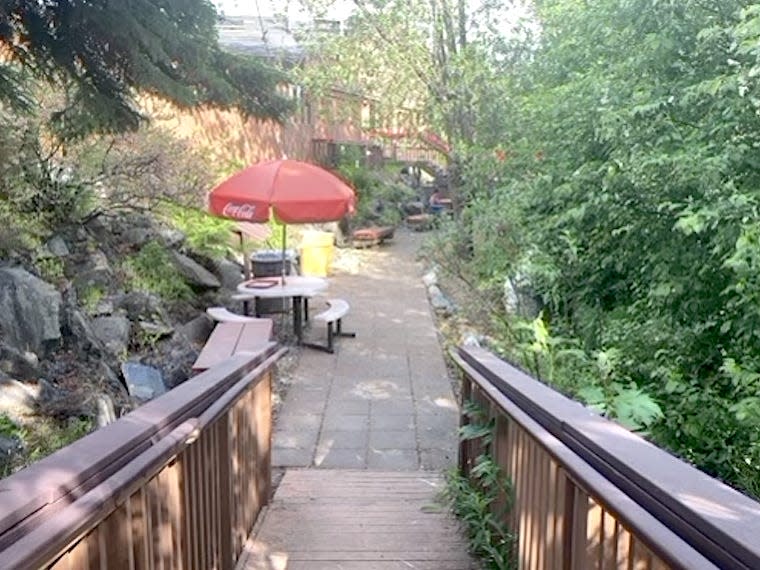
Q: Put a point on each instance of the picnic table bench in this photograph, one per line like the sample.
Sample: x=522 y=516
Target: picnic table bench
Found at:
x=230 y=338
x=375 y=235
x=333 y=315
x=420 y=222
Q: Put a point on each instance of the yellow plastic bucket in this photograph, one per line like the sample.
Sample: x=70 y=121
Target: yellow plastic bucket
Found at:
x=316 y=253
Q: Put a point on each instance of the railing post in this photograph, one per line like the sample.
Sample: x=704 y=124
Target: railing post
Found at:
x=568 y=524
x=463 y=421
x=224 y=456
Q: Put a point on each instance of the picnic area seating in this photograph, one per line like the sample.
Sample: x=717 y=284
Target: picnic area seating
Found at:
x=375 y=235
x=333 y=315
x=223 y=315
x=420 y=222
x=230 y=338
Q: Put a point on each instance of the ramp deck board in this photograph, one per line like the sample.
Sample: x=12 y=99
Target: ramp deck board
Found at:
x=369 y=520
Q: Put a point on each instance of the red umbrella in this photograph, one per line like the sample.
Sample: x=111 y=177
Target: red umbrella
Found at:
x=290 y=190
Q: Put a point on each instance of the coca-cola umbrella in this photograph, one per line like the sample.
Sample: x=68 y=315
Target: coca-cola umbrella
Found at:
x=291 y=191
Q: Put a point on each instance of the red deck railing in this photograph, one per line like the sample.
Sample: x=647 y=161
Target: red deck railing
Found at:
x=178 y=483
x=591 y=494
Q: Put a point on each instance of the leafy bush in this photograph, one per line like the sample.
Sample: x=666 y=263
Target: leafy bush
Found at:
x=206 y=234
x=626 y=194
x=41 y=438
x=153 y=270
x=379 y=201
x=46 y=435
x=50 y=268
x=483 y=500
x=90 y=297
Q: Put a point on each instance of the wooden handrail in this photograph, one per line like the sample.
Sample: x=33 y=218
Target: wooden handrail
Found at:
x=682 y=516
x=142 y=477
x=41 y=546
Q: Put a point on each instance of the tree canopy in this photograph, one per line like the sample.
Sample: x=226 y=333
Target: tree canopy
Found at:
x=423 y=55
x=625 y=190
x=105 y=52
x=609 y=154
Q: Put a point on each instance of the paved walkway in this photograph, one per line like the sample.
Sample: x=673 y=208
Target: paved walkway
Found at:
x=365 y=433
x=384 y=399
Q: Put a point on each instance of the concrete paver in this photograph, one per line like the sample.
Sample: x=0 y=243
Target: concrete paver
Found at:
x=384 y=399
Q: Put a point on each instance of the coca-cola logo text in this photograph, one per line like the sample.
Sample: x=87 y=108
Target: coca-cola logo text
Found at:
x=239 y=211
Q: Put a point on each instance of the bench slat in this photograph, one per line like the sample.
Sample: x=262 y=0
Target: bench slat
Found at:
x=338 y=309
x=230 y=338
x=221 y=314
x=253 y=335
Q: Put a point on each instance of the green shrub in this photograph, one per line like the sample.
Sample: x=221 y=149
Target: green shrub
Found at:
x=50 y=269
x=90 y=297
x=379 y=200
x=152 y=270
x=206 y=234
x=483 y=500
x=45 y=435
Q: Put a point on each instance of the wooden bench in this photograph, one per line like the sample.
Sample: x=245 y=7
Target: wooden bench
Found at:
x=367 y=237
x=338 y=308
x=231 y=338
x=420 y=222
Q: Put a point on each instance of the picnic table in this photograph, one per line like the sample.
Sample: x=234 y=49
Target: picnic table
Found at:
x=299 y=288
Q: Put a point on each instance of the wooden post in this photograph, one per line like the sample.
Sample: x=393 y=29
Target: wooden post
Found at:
x=224 y=455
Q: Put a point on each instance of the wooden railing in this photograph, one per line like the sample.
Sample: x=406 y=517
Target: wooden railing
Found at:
x=590 y=494
x=178 y=483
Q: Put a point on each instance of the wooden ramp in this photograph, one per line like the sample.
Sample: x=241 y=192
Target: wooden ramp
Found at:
x=350 y=520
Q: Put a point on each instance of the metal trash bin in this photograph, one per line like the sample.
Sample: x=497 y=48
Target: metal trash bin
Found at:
x=269 y=263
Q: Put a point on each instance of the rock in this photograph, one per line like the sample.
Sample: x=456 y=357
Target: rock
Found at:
x=18 y=400
x=194 y=273
x=103 y=307
x=123 y=224
x=520 y=299
x=93 y=272
x=430 y=278
x=10 y=445
x=18 y=363
x=112 y=332
x=136 y=237
x=100 y=227
x=197 y=330
x=230 y=273
x=471 y=339
x=141 y=305
x=110 y=377
x=83 y=336
x=81 y=235
x=175 y=360
x=104 y=411
x=30 y=311
x=59 y=402
x=154 y=330
x=171 y=238
x=439 y=301
x=143 y=382
x=57 y=247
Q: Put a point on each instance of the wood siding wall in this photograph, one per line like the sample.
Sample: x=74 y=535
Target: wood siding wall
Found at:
x=232 y=140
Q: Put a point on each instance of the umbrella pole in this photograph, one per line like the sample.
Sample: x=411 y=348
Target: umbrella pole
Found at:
x=284 y=249
x=246 y=258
